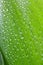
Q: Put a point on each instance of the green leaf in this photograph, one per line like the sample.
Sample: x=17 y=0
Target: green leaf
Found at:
x=1 y=59
x=21 y=32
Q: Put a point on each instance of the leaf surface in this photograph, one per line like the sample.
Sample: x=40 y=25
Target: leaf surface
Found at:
x=21 y=31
